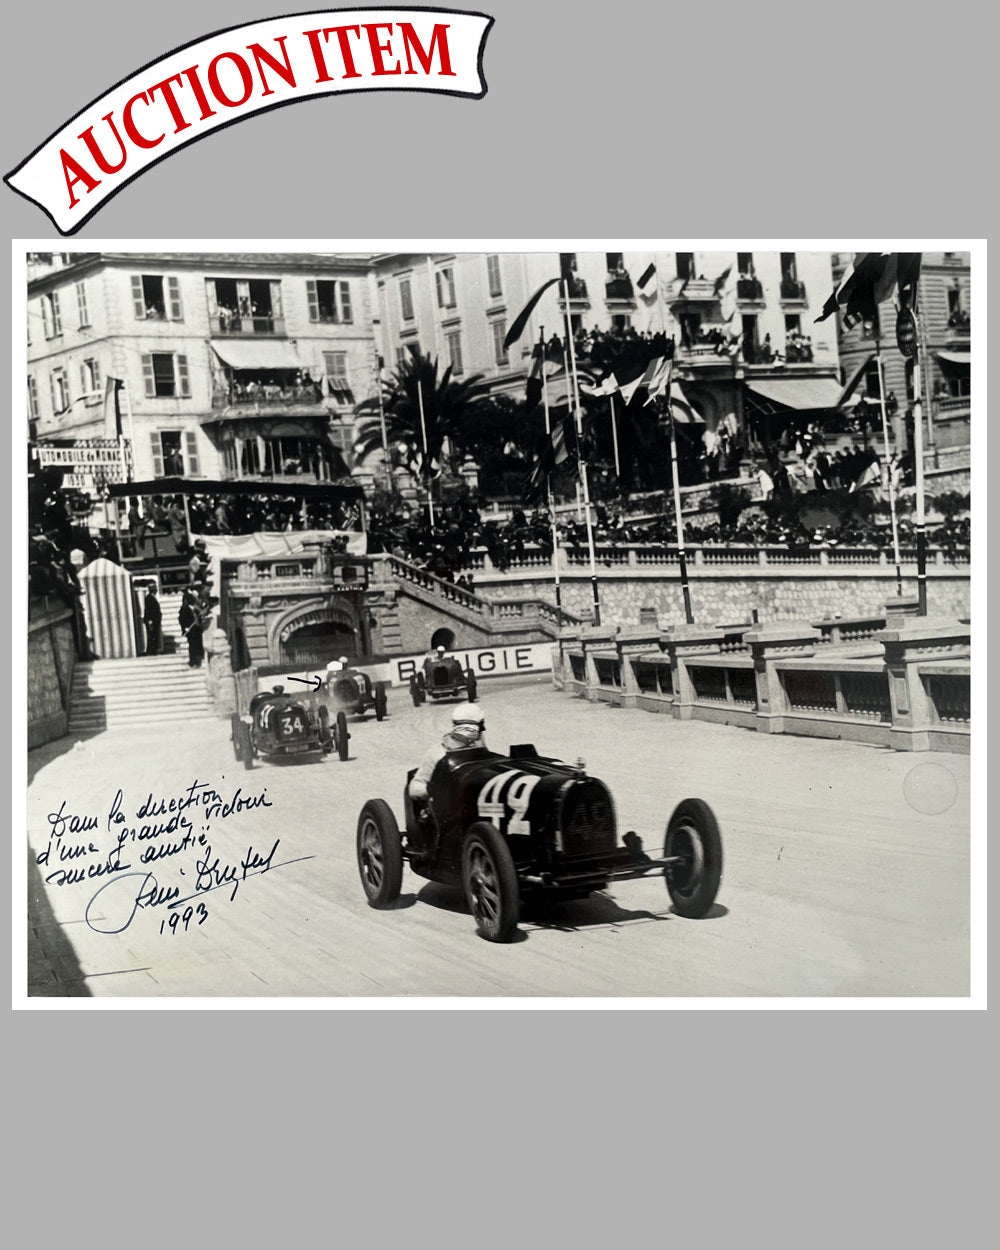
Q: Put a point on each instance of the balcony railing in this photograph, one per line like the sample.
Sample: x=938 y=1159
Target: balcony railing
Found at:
x=792 y=289
x=575 y=288
x=618 y=288
x=230 y=323
x=259 y=398
x=749 y=289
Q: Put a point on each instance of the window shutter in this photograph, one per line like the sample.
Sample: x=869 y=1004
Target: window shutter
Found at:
x=213 y=302
x=183 y=381
x=346 y=313
x=56 y=318
x=84 y=379
x=440 y=288
x=174 y=299
x=157 y=454
x=52 y=392
x=95 y=376
x=81 y=303
x=276 y=299
x=191 y=444
x=313 y=298
x=138 y=299
x=148 y=378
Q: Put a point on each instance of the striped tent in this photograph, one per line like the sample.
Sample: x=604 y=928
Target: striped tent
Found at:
x=110 y=608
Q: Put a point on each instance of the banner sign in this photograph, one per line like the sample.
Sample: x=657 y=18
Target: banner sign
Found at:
x=110 y=456
x=235 y=73
x=531 y=657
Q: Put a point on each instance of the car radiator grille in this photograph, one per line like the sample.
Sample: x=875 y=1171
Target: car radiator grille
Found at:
x=587 y=820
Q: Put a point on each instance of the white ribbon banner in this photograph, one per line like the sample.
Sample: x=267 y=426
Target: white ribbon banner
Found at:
x=235 y=73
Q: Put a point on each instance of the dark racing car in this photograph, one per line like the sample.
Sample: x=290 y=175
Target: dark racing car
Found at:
x=352 y=691
x=504 y=827
x=280 y=724
x=442 y=677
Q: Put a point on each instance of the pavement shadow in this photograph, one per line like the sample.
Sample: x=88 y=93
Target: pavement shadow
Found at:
x=40 y=757
x=53 y=968
x=573 y=914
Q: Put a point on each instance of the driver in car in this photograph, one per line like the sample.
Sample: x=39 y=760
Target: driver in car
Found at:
x=468 y=728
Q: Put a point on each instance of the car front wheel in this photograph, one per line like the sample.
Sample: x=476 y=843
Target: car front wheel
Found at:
x=380 y=853
x=490 y=883
x=380 y=701
x=693 y=837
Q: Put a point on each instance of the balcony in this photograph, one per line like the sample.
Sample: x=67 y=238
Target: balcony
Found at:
x=749 y=290
x=226 y=323
x=793 y=291
x=959 y=325
x=692 y=291
x=619 y=288
x=257 y=397
x=575 y=288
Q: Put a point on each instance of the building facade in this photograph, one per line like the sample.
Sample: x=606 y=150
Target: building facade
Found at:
x=943 y=305
x=741 y=322
x=231 y=366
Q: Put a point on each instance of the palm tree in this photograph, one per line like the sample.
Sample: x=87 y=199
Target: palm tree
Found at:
x=426 y=443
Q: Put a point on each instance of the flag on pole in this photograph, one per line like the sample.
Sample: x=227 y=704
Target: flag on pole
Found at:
x=870 y=280
x=852 y=382
x=720 y=281
x=659 y=380
x=647 y=275
x=521 y=320
x=112 y=408
x=642 y=378
x=547 y=362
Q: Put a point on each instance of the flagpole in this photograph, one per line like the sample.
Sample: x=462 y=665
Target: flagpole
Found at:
x=381 y=418
x=581 y=460
x=675 y=477
x=614 y=438
x=548 y=476
x=423 y=432
x=888 y=467
x=918 y=457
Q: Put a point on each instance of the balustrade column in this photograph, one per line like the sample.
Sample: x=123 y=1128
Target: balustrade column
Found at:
x=768 y=643
x=907 y=645
x=684 y=644
x=632 y=644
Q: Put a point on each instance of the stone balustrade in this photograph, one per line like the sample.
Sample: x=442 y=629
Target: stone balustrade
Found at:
x=901 y=681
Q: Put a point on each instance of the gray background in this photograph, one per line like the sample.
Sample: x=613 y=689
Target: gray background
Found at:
x=626 y=121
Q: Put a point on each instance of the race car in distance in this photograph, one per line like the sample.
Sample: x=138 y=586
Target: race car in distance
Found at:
x=280 y=724
x=506 y=826
x=352 y=691
x=442 y=677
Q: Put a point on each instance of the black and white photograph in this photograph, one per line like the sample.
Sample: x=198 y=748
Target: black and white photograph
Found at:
x=500 y=623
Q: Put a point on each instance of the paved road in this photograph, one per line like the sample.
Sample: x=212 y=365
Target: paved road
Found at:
x=846 y=874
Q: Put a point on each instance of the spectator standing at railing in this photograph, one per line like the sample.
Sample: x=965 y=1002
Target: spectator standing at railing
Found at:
x=191 y=623
x=137 y=526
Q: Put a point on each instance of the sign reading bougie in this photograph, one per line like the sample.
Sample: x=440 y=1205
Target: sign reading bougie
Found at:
x=235 y=73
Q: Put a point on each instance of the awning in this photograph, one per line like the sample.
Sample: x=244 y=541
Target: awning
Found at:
x=798 y=393
x=258 y=353
x=954 y=358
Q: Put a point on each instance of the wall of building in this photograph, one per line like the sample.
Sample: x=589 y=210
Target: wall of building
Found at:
x=51 y=661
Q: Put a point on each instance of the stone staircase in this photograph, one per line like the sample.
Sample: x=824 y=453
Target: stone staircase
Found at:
x=112 y=694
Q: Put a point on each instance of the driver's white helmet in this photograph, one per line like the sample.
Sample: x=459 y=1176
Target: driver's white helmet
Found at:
x=468 y=714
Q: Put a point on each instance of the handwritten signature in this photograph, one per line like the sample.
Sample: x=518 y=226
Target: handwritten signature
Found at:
x=128 y=894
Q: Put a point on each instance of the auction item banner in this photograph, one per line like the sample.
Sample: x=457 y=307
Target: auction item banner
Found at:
x=234 y=73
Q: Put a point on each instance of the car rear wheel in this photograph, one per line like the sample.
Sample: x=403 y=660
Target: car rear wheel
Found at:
x=490 y=883
x=341 y=736
x=471 y=685
x=380 y=701
x=693 y=835
x=235 y=733
x=380 y=853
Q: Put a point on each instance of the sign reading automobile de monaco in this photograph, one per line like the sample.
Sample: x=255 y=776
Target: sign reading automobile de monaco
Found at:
x=234 y=73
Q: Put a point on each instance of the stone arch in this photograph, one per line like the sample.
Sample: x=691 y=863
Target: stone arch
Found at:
x=339 y=616
x=443 y=637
